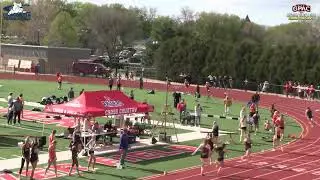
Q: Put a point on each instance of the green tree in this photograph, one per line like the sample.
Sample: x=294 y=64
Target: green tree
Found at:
x=63 y=31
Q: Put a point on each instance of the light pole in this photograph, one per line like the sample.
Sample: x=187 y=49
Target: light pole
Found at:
x=166 y=109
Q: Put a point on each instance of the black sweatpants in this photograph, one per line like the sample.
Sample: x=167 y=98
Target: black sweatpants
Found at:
x=23 y=160
x=17 y=114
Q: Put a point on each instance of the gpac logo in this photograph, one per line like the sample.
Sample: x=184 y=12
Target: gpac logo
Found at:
x=301 y=12
x=16 y=12
x=301 y=8
x=111 y=103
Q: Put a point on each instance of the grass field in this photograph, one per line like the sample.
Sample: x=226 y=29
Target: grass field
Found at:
x=35 y=90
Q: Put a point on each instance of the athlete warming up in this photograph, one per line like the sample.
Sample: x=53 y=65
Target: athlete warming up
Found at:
x=247 y=147
x=52 y=157
x=243 y=127
x=310 y=116
x=75 y=162
x=221 y=150
x=211 y=144
x=276 y=139
x=92 y=157
x=25 y=151
x=280 y=123
x=205 y=153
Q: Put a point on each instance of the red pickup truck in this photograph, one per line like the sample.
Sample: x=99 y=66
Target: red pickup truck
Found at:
x=84 y=68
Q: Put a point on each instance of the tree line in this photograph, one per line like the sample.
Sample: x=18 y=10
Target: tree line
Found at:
x=194 y=43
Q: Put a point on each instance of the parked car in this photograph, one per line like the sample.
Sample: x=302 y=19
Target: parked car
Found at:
x=88 y=68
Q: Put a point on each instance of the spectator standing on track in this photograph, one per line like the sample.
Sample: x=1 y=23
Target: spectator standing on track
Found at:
x=309 y=116
x=25 y=151
x=110 y=83
x=123 y=148
x=205 y=153
x=17 y=108
x=52 y=157
x=71 y=94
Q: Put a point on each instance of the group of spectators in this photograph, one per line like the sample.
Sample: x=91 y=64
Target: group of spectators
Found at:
x=297 y=89
x=220 y=81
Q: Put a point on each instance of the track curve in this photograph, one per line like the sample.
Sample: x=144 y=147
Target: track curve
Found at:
x=299 y=160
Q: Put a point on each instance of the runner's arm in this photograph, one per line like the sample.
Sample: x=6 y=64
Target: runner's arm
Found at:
x=195 y=151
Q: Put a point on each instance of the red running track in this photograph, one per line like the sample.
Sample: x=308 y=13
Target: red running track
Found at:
x=299 y=161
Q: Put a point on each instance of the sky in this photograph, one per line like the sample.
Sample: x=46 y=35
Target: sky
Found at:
x=264 y=12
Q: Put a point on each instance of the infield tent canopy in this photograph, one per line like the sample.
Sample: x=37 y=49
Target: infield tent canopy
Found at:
x=99 y=103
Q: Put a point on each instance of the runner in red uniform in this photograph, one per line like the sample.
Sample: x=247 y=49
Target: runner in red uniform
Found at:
x=52 y=157
x=205 y=153
x=280 y=124
x=274 y=119
x=252 y=110
x=52 y=137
